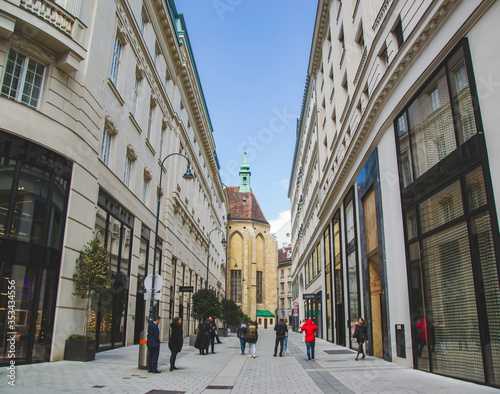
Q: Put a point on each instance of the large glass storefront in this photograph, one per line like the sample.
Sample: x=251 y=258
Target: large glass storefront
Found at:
x=114 y=227
x=34 y=188
x=451 y=228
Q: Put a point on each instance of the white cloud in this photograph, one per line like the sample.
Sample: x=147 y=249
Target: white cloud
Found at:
x=281 y=227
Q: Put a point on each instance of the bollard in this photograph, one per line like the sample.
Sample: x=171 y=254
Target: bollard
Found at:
x=143 y=350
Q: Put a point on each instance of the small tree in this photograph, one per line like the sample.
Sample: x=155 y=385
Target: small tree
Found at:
x=93 y=273
x=234 y=313
x=205 y=304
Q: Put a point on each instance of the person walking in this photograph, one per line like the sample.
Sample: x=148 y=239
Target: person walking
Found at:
x=285 y=342
x=201 y=342
x=176 y=340
x=303 y=333
x=242 y=334
x=308 y=329
x=361 y=335
x=153 y=344
x=280 y=329
x=252 y=337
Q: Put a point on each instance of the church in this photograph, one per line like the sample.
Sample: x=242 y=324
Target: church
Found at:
x=252 y=253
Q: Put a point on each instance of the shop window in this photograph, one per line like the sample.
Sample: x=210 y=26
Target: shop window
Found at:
x=23 y=79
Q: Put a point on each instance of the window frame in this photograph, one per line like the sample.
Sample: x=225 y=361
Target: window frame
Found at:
x=24 y=70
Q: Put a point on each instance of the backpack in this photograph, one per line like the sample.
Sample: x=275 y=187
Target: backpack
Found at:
x=252 y=332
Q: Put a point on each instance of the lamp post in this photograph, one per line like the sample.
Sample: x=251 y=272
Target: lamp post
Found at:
x=225 y=293
x=187 y=175
x=208 y=251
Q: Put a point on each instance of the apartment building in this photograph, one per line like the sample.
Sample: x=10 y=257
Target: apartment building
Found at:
x=392 y=191
x=96 y=95
x=285 y=307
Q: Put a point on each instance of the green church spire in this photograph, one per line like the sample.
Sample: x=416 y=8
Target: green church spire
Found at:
x=245 y=176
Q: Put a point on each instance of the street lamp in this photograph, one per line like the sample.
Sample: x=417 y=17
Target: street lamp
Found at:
x=187 y=175
x=208 y=252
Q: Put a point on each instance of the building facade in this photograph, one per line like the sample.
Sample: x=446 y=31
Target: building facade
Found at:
x=95 y=97
x=392 y=191
x=285 y=283
x=252 y=253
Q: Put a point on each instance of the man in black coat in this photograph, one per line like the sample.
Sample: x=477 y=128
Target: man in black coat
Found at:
x=280 y=329
x=213 y=329
x=153 y=345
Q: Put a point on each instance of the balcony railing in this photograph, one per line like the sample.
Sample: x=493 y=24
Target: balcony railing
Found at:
x=51 y=13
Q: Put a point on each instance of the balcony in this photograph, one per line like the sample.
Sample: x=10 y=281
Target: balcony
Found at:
x=47 y=23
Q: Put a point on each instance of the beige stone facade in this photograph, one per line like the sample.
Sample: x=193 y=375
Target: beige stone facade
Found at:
x=397 y=92
x=118 y=92
x=252 y=254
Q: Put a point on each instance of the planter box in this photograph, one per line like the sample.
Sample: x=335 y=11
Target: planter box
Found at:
x=79 y=350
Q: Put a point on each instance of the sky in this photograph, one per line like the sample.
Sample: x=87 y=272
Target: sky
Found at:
x=252 y=58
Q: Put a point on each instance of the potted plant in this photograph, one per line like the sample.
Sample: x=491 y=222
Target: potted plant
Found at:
x=93 y=274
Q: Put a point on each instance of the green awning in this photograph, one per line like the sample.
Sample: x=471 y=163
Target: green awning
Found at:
x=264 y=313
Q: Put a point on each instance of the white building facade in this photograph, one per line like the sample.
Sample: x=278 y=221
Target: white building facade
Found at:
x=392 y=192
x=95 y=96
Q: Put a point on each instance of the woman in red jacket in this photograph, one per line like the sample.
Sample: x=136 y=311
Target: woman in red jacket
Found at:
x=308 y=328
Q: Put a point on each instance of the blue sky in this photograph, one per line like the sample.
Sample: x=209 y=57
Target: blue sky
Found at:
x=252 y=58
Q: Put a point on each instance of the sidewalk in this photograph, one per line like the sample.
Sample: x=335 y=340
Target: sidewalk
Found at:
x=227 y=371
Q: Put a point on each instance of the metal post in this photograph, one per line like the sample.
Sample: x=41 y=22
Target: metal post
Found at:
x=187 y=175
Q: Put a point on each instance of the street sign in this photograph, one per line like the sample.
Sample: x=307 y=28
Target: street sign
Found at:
x=309 y=296
x=295 y=304
x=158 y=282
x=295 y=310
x=186 y=289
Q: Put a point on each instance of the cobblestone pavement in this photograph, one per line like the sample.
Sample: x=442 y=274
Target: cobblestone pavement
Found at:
x=226 y=371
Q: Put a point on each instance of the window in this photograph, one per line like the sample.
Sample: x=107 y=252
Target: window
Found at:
x=282 y=273
x=236 y=286
x=23 y=79
x=289 y=303
x=128 y=170
x=282 y=287
x=289 y=286
x=157 y=54
x=106 y=147
x=282 y=303
x=115 y=63
x=145 y=188
x=360 y=38
x=143 y=22
x=150 y=120
x=135 y=94
x=259 y=287
x=398 y=32
x=435 y=102
x=289 y=271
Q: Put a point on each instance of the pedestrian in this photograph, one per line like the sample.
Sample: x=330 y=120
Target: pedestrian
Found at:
x=201 y=342
x=216 y=332
x=176 y=340
x=285 y=342
x=212 y=327
x=361 y=335
x=422 y=336
x=252 y=337
x=153 y=344
x=242 y=334
x=280 y=329
x=303 y=333
x=308 y=329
